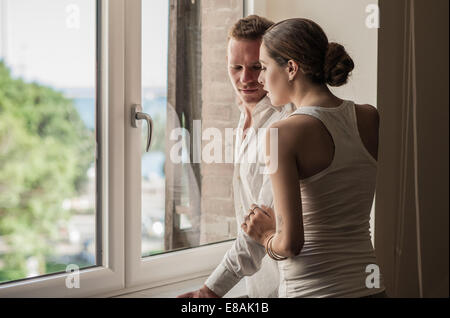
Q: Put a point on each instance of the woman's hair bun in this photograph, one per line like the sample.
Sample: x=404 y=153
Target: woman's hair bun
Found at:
x=338 y=65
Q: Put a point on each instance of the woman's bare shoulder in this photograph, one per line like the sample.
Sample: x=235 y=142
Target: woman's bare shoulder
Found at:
x=367 y=106
x=296 y=122
x=367 y=115
x=292 y=129
x=367 y=110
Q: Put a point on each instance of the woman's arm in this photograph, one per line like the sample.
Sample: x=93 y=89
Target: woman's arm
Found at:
x=289 y=238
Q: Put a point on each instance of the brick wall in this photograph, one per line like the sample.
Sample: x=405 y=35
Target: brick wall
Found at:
x=219 y=110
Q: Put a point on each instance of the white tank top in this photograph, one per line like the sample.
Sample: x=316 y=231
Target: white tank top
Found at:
x=337 y=256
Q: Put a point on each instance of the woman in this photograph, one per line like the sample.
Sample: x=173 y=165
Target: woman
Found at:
x=325 y=181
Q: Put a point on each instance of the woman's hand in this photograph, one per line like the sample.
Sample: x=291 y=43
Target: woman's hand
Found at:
x=260 y=223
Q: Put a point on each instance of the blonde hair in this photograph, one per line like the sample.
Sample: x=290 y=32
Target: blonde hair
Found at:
x=252 y=27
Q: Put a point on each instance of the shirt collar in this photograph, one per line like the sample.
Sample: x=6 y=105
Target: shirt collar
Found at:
x=262 y=105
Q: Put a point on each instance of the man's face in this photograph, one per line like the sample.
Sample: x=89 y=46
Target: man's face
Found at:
x=244 y=68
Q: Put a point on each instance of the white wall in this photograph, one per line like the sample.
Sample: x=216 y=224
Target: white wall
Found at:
x=343 y=21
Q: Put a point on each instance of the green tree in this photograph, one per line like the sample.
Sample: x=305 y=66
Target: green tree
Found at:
x=45 y=151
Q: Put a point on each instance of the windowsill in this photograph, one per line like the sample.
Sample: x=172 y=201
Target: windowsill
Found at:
x=175 y=289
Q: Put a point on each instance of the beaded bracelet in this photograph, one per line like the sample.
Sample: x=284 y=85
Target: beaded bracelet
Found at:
x=270 y=252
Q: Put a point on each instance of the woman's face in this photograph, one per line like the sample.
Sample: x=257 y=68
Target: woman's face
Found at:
x=275 y=79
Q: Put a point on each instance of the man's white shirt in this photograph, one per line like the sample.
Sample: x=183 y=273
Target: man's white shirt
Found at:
x=247 y=258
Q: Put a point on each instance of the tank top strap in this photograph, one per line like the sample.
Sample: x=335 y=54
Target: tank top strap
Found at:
x=342 y=117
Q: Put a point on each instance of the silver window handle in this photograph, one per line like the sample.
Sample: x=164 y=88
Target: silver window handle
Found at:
x=137 y=114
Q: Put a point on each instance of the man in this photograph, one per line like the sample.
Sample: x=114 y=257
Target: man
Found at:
x=246 y=257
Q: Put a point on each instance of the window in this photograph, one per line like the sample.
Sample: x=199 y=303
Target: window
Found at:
x=184 y=206
x=177 y=211
x=155 y=35
x=60 y=197
x=97 y=60
x=48 y=168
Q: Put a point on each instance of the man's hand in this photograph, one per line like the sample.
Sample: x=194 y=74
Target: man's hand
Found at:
x=203 y=292
x=260 y=223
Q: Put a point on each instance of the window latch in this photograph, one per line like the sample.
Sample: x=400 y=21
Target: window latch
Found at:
x=137 y=114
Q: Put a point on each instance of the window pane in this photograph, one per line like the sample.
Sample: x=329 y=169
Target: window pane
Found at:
x=155 y=26
x=47 y=136
x=186 y=202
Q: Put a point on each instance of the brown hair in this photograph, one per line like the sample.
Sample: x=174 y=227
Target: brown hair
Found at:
x=252 y=27
x=305 y=42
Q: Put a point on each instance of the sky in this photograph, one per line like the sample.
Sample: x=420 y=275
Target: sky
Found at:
x=53 y=41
